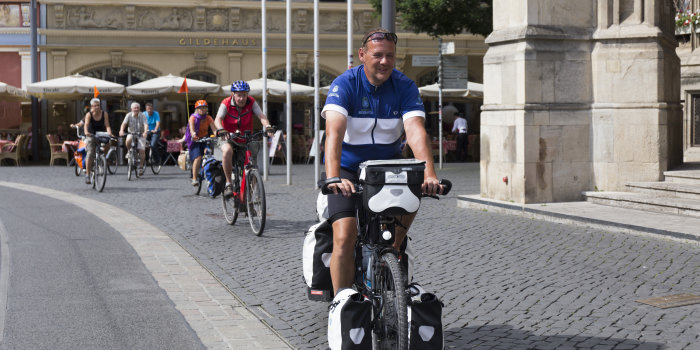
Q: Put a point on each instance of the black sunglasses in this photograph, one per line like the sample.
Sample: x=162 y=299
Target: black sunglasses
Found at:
x=378 y=36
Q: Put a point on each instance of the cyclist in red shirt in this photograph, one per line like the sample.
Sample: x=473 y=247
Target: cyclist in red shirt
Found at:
x=236 y=114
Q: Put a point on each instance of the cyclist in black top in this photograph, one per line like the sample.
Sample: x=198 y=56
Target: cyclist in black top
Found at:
x=95 y=120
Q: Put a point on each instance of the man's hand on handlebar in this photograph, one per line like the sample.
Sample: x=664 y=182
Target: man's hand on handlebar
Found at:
x=431 y=186
x=345 y=187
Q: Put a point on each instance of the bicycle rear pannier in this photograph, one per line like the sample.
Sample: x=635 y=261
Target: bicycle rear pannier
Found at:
x=349 y=321
x=316 y=260
x=392 y=187
x=424 y=320
x=214 y=173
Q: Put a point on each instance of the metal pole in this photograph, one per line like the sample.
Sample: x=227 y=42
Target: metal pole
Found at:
x=266 y=158
x=35 y=78
x=349 y=26
x=440 y=100
x=289 y=92
x=389 y=15
x=317 y=99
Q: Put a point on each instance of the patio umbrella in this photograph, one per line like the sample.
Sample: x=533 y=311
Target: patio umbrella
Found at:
x=11 y=93
x=170 y=85
x=275 y=88
x=73 y=86
x=473 y=91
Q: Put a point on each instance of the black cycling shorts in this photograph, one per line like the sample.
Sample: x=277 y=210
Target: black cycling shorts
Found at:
x=340 y=207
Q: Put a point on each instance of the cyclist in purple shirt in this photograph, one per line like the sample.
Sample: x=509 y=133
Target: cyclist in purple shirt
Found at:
x=368 y=109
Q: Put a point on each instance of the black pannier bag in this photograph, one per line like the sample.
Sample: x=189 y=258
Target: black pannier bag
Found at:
x=392 y=187
x=350 y=321
x=424 y=320
x=316 y=260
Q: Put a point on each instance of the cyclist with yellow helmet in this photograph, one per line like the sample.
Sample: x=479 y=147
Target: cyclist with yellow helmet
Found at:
x=199 y=125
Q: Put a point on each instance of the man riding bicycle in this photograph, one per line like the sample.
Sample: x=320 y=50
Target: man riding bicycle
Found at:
x=138 y=124
x=153 y=119
x=95 y=120
x=367 y=111
x=236 y=115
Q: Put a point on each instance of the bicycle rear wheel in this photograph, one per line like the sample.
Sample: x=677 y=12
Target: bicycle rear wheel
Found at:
x=112 y=162
x=255 y=201
x=155 y=166
x=230 y=205
x=100 y=173
x=77 y=169
x=391 y=326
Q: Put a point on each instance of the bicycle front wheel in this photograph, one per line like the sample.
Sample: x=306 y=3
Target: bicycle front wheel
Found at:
x=100 y=173
x=255 y=201
x=391 y=326
x=112 y=163
x=130 y=165
x=155 y=166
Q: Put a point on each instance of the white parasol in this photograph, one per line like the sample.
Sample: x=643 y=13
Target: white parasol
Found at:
x=275 y=88
x=73 y=86
x=473 y=91
x=170 y=85
x=11 y=93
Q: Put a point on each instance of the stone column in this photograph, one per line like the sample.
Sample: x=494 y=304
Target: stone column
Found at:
x=578 y=95
x=234 y=66
x=26 y=61
x=536 y=119
x=59 y=63
x=636 y=129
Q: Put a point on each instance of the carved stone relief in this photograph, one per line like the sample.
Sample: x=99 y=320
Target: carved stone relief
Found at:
x=116 y=58
x=132 y=17
x=59 y=16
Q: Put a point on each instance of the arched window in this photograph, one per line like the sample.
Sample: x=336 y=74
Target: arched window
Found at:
x=202 y=76
x=303 y=76
x=124 y=75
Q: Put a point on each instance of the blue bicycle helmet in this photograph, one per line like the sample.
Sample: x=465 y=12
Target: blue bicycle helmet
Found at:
x=240 y=85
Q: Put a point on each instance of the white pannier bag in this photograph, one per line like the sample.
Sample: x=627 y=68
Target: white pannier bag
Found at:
x=316 y=261
x=349 y=321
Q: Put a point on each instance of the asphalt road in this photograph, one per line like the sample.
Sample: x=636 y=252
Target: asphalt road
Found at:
x=507 y=282
x=73 y=282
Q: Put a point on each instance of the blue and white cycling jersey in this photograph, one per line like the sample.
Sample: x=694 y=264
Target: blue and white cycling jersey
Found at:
x=375 y=115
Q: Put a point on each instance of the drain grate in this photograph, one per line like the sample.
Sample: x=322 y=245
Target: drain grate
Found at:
x=670 y=301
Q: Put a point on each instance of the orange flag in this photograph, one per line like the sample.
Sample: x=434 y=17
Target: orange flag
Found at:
x=183 y=88
x=97 y=92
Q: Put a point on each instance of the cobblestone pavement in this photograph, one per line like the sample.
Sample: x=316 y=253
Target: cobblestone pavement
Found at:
x=507 y=282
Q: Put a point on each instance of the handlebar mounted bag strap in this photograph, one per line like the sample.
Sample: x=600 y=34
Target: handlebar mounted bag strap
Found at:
x=392 y=187
x=424 y=319
x=316 y=261
x=349 y=321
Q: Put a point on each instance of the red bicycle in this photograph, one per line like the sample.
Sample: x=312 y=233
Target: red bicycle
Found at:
x=248 y=190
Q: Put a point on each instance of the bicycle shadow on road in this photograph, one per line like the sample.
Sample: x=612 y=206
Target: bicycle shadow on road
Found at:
x=505 y=336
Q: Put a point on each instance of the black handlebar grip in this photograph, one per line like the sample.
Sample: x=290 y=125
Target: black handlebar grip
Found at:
x=447 y=186
x=324 y=184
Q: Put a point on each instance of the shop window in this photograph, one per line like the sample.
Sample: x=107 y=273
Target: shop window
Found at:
x=202 y=76
x=303 y=77
x=125 y=75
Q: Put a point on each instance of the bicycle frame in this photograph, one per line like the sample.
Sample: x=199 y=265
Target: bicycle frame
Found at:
x=247 y=137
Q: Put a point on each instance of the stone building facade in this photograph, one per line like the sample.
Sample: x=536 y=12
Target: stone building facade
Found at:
x=217 y=41
x=579 y=95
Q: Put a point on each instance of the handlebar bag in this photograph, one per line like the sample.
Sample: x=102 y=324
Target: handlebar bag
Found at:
x=424 y=319
x=392 y=187
x=349 y=321
x=316 y=261
x=102 y=137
